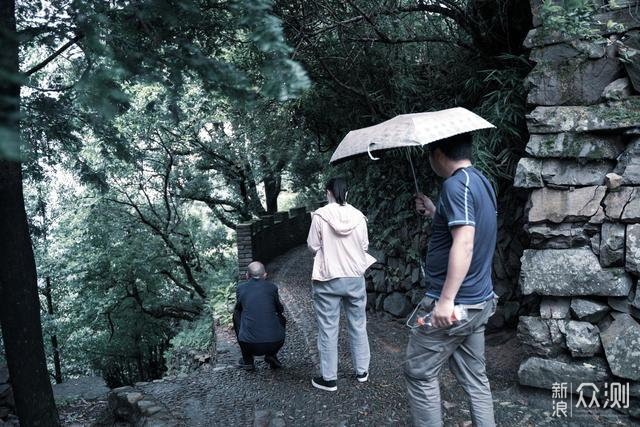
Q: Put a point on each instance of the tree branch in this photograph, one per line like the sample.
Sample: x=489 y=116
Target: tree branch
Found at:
x=53 y=56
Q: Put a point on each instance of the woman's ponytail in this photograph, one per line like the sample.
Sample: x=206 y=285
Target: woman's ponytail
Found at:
x=338 y=187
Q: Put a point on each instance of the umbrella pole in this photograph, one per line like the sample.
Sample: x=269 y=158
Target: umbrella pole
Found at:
x=415 y=180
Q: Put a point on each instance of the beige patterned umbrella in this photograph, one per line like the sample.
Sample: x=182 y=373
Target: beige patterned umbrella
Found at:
x=409 y=130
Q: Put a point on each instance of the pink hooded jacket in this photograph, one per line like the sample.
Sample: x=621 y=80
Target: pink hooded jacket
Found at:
x=338 y=237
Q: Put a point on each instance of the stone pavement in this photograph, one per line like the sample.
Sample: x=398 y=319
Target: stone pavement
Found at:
x=227 y=396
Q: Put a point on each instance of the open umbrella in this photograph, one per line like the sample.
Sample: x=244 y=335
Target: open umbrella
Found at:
x=409 y=130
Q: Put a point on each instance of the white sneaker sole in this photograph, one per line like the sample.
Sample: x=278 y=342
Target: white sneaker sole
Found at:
x=324 y=387
x=363 y=379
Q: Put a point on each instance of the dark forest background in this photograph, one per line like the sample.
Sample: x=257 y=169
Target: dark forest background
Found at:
x=134 y=136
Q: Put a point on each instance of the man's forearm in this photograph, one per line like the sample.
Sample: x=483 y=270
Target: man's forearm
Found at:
x=459 y=262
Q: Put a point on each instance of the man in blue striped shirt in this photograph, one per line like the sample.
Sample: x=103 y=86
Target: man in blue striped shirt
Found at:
x=458 y=271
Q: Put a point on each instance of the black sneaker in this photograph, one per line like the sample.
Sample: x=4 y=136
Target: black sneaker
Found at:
x=322 y=384
x=245 y=366
x=273 y=361
x=362 y=377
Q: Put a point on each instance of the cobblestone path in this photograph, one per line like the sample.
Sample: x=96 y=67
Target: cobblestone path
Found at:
x=228 y=396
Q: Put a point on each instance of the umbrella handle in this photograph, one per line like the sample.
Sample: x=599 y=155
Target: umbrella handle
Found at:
x=369 y=151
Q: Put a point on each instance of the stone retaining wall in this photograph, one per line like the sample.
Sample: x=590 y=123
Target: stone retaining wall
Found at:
x=272 y=235
x=583 y=170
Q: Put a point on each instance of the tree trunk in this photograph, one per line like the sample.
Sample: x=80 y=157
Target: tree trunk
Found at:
x=272 y=188
x=54 y=337
x=19 y=303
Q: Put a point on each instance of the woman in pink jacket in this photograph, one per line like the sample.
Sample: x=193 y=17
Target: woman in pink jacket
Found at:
x=338 y=237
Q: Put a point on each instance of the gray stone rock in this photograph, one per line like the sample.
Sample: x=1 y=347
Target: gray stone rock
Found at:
x=621 y=342
x=634 y=387
x=533 y=173
x=604 y=324
x=612 y=240
x=570 y=272
x=557 y=236
x=378 y=254
x=88 y=388
x=380 y=302
x=406 y=284
x=416 y=295
x=617 y=90
x=588 y=310
x=535 y=336
x=623 y=304
x=582 y=338
x=598 y=218
x=571 y=82
x=567 y=172
x=575 y=145
x=632 y=256
x=631 y=212
x=528 y=173
x=554 y=308
x=543 y=373
x=630 y=48
x=612 y=181
x=611 y=116
x=628 y=166
x=397 y=304
x=557 y=331
x=594 y=243
x=415 y=275
x=558 y=206
x=616 y=201
x=378 y=279
x=564 y=51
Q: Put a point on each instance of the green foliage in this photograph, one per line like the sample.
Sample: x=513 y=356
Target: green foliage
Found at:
x=574 y=18
x=131 y=174
x=503 y=103
x=222 y=300
x=197 y=335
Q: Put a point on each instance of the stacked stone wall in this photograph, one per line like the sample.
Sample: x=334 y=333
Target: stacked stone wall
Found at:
x=272 y=235
x=582 y=168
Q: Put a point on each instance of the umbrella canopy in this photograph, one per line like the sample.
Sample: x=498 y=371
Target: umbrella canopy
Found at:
x=408 y=130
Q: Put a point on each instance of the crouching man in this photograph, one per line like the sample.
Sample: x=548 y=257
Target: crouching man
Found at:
x=258 y=320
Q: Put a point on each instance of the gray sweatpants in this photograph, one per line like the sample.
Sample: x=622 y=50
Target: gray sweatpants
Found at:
x=463 y=345
x=327 y=296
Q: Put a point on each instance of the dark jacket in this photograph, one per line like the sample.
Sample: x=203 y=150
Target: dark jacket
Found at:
x=260 y=312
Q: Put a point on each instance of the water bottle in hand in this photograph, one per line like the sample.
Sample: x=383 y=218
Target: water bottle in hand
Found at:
x=459 y=313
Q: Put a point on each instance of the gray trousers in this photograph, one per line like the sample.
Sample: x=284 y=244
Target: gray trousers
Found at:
x=463 y=346
x=327 y=296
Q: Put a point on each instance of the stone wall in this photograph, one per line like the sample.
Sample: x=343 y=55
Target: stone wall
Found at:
x=272 y=235
x=7 y=403
x=583 y=215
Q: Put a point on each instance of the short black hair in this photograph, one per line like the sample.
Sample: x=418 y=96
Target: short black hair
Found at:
x=457 y=147
x=338 y=187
